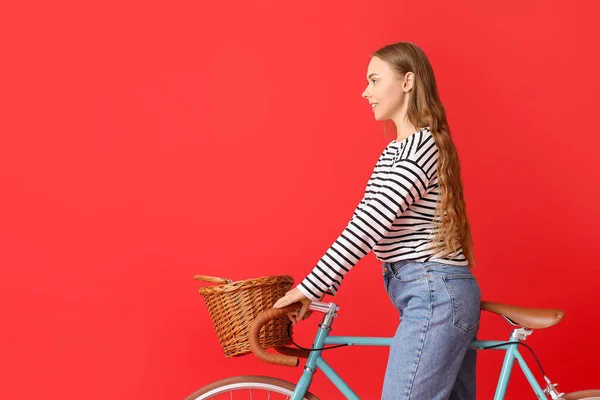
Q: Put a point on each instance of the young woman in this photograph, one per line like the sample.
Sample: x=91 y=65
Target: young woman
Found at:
x=413 y=217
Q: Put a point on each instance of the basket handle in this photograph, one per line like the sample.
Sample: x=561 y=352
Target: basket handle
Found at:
x=212 y=279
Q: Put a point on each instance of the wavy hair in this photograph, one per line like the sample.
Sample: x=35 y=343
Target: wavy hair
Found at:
x=426 y=109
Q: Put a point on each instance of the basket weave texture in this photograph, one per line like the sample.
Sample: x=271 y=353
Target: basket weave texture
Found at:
x=233 y=306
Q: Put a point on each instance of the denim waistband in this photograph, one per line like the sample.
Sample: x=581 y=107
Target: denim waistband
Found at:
x=409 y=266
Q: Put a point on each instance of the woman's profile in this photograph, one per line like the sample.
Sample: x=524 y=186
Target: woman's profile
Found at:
x=413 y=217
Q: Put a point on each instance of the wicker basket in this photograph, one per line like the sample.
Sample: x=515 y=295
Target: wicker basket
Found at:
x=233 y=306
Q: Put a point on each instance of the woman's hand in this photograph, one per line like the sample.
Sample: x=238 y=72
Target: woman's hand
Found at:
x=292 y=297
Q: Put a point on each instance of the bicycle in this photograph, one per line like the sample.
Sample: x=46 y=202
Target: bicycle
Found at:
x=525 y=319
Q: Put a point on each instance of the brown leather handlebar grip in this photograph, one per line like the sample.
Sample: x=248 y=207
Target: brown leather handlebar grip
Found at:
x=263 y=318
x=292 y=351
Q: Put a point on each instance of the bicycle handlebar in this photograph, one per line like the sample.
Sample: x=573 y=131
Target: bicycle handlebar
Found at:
x=290 y=360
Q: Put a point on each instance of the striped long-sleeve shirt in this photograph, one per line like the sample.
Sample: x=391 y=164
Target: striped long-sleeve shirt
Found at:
x=395 y=218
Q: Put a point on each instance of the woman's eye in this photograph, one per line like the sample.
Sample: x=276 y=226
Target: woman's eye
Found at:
x=373 y=80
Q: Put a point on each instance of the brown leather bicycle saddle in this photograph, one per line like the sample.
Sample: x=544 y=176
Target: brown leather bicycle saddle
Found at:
x=532 y=318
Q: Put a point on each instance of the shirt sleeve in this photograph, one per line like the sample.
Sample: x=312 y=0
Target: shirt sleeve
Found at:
x=404 y=183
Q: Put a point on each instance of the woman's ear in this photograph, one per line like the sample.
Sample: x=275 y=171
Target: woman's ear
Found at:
x=408 y=81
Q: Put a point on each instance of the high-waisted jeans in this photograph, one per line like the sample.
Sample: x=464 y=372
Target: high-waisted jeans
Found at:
x=439 y=307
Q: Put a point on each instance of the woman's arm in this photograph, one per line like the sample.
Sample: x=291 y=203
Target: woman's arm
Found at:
x=404 y=183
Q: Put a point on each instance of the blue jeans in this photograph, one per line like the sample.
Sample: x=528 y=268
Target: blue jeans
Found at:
x=439 y=307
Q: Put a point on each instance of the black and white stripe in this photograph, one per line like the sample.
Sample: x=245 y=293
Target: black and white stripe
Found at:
x=395 y=218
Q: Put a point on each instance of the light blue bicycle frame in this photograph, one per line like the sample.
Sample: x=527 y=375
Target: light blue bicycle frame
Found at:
x=315 y=360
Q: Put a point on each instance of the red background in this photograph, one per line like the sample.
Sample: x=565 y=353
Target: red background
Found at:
x=142 y=143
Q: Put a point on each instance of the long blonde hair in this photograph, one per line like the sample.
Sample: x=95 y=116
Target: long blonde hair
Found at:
x=426 y=109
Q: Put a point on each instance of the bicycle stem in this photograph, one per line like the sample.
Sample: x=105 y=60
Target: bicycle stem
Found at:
x=329 y=309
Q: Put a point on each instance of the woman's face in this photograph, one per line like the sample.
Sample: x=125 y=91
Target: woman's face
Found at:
x=387 y=92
